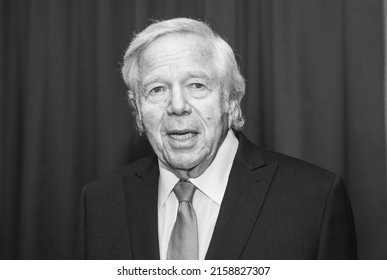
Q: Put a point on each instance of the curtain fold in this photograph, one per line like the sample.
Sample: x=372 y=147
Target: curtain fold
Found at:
x=315 y=90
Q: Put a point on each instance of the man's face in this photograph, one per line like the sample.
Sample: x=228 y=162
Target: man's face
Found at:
x=181 y=103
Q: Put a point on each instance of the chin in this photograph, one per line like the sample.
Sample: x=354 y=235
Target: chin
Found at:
x=183 y=163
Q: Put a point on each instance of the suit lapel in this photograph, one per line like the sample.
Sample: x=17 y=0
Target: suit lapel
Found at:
x=141 y=191
x=249 y=181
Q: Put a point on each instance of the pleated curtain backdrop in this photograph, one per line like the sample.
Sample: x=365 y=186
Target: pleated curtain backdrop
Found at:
x=314 y=71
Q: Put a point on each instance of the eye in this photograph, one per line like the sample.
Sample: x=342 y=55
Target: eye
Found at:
x=197 y=86
x=157 y=90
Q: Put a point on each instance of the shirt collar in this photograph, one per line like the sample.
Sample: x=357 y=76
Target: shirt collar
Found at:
x=212 y=182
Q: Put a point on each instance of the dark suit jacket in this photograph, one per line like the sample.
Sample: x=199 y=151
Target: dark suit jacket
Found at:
x=274 y=207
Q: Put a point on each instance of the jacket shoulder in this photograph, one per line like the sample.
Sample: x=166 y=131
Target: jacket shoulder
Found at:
x=298 y=180
x=254 y=156
x=295 y=165
x=110 y=181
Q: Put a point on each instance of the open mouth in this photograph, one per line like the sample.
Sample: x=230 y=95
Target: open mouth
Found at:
x=182 y=135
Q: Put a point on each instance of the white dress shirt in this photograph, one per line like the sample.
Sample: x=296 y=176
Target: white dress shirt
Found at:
x=208 y=197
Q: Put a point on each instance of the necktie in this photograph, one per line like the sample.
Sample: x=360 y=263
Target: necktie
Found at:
x=183 y=243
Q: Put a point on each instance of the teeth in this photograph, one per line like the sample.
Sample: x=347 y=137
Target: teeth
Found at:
x=182 y=136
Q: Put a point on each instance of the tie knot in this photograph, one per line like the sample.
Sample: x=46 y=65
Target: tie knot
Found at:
x=184 y=191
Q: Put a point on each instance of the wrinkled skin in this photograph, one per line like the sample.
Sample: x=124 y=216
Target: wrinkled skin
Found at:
x=181 y=105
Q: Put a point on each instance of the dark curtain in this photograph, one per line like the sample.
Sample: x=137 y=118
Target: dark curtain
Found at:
x=314 y=71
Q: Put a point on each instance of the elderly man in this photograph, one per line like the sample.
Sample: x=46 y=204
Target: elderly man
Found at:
x=207 y=193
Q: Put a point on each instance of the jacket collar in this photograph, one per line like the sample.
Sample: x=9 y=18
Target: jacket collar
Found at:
x=141 y=204
x=249 y=154
x=248 y=184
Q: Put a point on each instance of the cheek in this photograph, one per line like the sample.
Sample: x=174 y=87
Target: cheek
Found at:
x=213 y=114
x=149 y=119
x=152 y=119
x=216 y=118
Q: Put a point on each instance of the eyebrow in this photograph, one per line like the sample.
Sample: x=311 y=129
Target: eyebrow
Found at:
x=190 y=74
x=198 y=74
x=147 y=82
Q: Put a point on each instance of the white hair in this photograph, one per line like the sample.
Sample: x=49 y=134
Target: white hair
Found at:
x=223 y=60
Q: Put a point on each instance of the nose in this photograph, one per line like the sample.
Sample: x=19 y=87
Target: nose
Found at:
x=178 y=104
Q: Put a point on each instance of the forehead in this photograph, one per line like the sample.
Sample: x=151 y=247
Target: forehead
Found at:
x=176 y=48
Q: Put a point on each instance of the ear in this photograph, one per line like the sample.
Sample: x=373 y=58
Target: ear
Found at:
x=231 y=111
x=132 y=99
x=135 y=104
